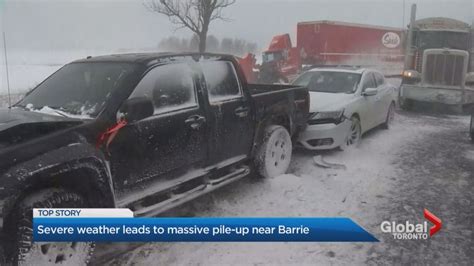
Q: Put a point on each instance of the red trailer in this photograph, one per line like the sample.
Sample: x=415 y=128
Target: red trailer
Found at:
x=330 y=42
x=337 y=43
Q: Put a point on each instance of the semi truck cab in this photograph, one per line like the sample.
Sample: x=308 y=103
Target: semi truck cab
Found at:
x=440 y=68
x=280 y=62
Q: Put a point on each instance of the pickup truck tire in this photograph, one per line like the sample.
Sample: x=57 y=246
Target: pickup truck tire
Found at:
x=274 y=154
x=24 y=252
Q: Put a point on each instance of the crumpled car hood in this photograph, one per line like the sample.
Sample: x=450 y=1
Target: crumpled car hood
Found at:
x=17 y=126
x=323 y=101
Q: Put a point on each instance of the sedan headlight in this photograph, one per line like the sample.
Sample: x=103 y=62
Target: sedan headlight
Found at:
x=335 y=117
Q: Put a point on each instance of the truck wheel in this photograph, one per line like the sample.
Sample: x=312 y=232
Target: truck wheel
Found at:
x=390 y=116
x=471 y=129
x=354 y=135
x=274 y=154
x=458 y=109
x=406 y=104
x=25 y=252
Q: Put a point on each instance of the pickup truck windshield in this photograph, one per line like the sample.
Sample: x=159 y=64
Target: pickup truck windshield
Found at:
x=327 y=81
x=78 y=89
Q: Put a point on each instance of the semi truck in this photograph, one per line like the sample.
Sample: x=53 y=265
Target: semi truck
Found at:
x=439 y=64
x=333 y=43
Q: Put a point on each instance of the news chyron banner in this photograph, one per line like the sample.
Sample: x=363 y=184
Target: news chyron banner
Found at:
x=119 y=225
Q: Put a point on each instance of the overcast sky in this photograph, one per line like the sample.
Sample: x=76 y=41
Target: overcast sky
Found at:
x=110 y=25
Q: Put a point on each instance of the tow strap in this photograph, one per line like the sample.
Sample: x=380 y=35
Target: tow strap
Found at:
x=108 y=136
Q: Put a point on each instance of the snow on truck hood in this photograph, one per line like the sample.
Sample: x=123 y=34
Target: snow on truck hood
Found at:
x=324 y=101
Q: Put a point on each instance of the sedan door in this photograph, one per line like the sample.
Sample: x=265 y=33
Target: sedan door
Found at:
x=384 y=98
x=369 y=111
x=171 y=142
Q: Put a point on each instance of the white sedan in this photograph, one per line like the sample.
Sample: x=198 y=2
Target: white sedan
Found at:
x=345 y=103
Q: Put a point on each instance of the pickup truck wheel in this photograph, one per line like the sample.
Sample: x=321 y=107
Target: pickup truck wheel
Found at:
x=274 y=154
x=25 y=252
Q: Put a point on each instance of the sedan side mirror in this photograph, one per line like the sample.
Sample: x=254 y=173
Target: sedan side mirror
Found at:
x=370 y=92
x=136 y=109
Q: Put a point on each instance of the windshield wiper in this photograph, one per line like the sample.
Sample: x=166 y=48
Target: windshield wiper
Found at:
x=59 y=113
x=48 y=110
x=21 y=107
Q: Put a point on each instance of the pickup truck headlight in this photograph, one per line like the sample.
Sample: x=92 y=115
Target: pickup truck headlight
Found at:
x=335 y=117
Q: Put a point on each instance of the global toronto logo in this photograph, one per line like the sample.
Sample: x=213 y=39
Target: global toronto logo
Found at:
x=413 y=231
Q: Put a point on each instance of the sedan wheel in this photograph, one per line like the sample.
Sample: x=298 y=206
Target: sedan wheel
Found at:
x=354 y=134
x=390 y=116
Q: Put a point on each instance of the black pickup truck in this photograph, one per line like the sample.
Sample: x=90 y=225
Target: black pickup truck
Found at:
x=140 y=131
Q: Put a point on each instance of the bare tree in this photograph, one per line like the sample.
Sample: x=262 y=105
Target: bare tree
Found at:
x=195 y=15
x=212 y=44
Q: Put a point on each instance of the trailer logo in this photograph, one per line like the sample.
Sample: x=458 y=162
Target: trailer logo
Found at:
x=391 y=40
x=413 y=231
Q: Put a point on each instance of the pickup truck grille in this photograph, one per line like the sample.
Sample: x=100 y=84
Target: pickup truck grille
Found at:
x=444 y=69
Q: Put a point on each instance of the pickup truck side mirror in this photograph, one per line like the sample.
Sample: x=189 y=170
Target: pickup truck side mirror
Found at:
x=370 y=92
x=136 y=109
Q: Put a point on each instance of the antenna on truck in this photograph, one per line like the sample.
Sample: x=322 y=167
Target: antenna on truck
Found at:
x=6 y=69
x=3 y=13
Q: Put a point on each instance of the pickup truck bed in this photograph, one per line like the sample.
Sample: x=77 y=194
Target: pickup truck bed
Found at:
x=279 y=96
x=264 y=88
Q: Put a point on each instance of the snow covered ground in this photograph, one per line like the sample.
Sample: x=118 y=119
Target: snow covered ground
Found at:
x=27 y=68
x=25 y=77
x=377 y=184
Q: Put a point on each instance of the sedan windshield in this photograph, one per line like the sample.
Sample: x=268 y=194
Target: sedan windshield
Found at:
x=328 y=81
x=78 y=89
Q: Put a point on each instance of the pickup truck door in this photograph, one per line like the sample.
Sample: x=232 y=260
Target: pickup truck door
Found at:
x=171 y=142
x=231 y=116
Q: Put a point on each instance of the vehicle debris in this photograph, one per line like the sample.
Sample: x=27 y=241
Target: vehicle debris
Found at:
x=319 y=161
